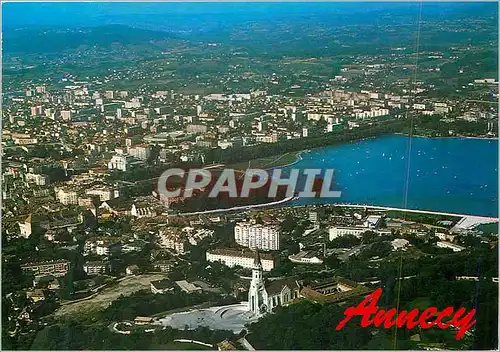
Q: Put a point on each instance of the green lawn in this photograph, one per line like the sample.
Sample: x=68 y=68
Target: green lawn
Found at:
x=488 y=228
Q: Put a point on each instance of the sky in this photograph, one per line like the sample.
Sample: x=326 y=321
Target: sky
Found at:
x=73 y=14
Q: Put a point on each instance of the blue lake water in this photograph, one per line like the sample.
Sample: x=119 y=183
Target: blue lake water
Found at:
x=454 y=175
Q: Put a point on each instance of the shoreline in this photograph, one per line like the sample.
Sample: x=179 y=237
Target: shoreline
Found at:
x=298 y=157
x=448 y=137
x=299 y=154
x=482 y=219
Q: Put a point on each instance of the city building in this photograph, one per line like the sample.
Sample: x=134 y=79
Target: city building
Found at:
x=187 y=286
x=373 y=221
x=38 y=179
x=120 y=162
x=453 y=246
x=96 y=267
x=267 y=138
x=55 y=267
x=164 y=266
x=338 y=231
x=104 y=193
x=333 y=291
x=305 y=257
x=172 y=238
x=399 y=243
x=142 y=211
x=36 y=110
x=265 y=237
x=66 y=196
x=194 y=236
x=243 y=258
x=445 y=236
x=23 y=139
x=102 y=246
x=25 y=227
x=140 y=151
x=196 y=128
x=313 y=216
x=66 y=115
x=161 y=286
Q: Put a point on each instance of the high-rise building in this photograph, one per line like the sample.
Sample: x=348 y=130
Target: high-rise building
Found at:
x=313 y=216
x=36 y=110
x=259 y=236
x=66 y=115
x=140 y=151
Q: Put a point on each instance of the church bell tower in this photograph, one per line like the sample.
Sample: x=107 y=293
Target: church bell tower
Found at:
x=257 y=295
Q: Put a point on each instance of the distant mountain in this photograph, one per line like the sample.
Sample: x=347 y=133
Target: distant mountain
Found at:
x=52 y=40
x=300 y=28
x=202 y=16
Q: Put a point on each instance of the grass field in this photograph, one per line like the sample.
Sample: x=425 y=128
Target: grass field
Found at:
x=266 y=163
x=491 y=228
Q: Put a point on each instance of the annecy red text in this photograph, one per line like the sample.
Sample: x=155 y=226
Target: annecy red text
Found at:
x=371 y=314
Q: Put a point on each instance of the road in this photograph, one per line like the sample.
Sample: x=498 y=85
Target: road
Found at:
x=343 y=257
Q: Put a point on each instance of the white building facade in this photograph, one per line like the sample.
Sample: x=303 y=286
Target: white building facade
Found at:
x=256 y=236
x=452 y=246
x=67 y=197
x=120 y=162
x=339 y=231
x=244 y=259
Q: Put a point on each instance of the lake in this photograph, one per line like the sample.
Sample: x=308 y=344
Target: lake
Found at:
x=456 y=175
